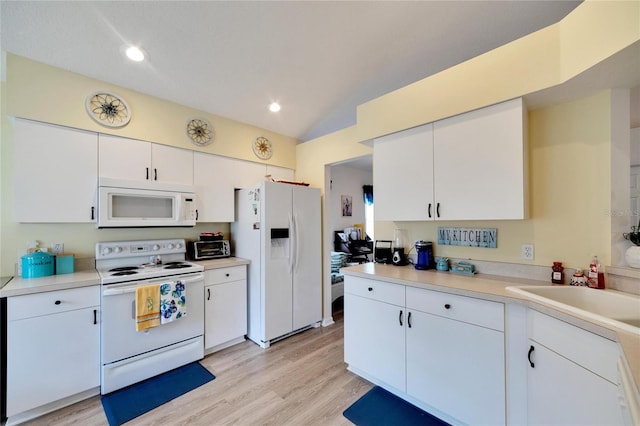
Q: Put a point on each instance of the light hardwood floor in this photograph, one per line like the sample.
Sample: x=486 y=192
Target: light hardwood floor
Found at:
x=301 y=380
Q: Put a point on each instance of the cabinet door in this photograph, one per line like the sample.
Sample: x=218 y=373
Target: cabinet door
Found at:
x=456 y=367
x=479 y=164
x=225 y=312
x=403 y=175
x=374 y=339
x=171 y=165
x=124 y=158
x=214 y=192
x=51 y=357
x=55 y=172
x=560 y=392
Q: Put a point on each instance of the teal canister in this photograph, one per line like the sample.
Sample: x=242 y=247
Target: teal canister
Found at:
x=37 y=264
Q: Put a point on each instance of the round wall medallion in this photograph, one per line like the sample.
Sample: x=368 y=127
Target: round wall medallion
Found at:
x=200 y=132
x=262 y=148
x=108 y=109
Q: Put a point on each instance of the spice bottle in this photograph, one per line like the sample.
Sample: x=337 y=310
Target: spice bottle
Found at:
x=557 y=273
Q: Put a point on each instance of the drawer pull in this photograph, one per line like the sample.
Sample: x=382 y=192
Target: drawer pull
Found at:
x=57 y=302
x=531 y=349
x=447 y=306
x=227 y=275
x=400 y=317
x=370 y=289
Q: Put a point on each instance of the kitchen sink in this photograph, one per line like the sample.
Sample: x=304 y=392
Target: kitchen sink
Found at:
x=610 y=306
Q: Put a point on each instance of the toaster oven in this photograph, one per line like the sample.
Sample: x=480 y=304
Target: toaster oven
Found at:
x=200 y=250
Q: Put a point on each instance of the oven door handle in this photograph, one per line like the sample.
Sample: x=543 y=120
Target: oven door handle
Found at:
x=132 y=289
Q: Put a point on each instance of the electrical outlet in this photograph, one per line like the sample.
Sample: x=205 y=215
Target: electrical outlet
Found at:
x=57 y=248
x=527 y=251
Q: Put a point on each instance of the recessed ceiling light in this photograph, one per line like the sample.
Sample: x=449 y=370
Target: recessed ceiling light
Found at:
x=274 y=107
x=135 y=54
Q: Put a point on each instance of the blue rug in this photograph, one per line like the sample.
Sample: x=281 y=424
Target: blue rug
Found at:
x=125 y=404
x=379 y=407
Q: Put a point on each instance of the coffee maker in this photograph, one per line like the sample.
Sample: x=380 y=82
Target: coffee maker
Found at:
x=399 y=257
x=425 y=255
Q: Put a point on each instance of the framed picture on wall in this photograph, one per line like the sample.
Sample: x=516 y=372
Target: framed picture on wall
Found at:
x=347 y=205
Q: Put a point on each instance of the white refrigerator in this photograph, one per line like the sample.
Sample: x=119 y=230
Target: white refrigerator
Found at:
x=277 y=228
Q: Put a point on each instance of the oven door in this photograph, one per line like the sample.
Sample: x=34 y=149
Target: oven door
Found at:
x=119 y=338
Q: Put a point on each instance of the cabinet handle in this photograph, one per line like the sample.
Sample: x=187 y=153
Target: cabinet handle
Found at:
x=155 y=174
x=95 y=316
x=57 y=302
x=93 y=212
x=409 y=319
x=208 y=294
x=400 y=317
x=370 y=289
x=531 y=349
x=447 y=306
x=438 y=210
x=429 y=209
x=147 y=178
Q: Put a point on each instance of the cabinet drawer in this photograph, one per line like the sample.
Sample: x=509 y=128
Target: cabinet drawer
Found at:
x=52 y=302
x=467 y=309
x=225 y=275
x=593 y=352
x=376 y=290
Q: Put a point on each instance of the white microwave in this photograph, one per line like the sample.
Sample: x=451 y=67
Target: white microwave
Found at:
x=126 y=204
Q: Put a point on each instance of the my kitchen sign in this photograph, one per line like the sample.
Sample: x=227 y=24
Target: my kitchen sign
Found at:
x=469 y=237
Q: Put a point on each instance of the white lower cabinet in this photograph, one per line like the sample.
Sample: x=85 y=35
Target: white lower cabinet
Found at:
x=53 y=348
x=225 y=309
x=442 y=351
x=572 y=376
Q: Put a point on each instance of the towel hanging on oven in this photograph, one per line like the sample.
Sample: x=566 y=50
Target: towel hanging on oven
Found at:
x=173 y=301
x=147 y=307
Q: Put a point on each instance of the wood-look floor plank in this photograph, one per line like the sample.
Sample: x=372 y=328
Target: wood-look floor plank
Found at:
x=301 y=380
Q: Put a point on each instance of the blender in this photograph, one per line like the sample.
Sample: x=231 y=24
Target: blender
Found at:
x=399 y=257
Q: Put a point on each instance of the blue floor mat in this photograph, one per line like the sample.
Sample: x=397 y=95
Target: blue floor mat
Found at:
x=379 y=407
x=125 y=404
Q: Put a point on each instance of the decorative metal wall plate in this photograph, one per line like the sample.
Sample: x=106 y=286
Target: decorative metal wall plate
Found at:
x=262 y=148
x=108 y=109
x=200 y=131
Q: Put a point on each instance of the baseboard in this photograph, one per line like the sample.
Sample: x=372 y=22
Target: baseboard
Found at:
x=25 y=416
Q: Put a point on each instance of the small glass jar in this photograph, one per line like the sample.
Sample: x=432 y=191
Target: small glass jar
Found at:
x=557 y=273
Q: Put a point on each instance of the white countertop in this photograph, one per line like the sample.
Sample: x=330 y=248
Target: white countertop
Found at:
x=492 y=287
x=19 y=286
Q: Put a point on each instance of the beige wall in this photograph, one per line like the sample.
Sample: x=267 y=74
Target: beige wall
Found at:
x=594 y=31
x=37 y=91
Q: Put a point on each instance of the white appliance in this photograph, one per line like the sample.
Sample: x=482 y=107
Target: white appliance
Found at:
x=144 y=204
x=129 y=356
x=278 y=228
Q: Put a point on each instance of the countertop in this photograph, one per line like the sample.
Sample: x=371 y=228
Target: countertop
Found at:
x=19 y=286
x=493 y=287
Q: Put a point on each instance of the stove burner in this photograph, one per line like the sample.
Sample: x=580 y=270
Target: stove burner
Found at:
x=124 y=268
x=126 y=272
x=176 y=265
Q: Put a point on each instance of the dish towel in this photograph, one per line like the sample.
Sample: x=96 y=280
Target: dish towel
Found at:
x=147 y=307
x=173 y=301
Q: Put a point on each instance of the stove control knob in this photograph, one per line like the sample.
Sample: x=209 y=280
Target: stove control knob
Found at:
x=170 y=246
x=117 y=249
x=106 y=251
x=155 y=247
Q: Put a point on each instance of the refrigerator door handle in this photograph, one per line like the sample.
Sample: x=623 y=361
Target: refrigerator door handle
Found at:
x=297 y=242
x=291 y=248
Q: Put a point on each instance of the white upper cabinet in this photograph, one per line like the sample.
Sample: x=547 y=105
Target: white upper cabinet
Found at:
x=55 y=172
x=403 y=175
x=131 y=159
x=479 y=168
x=468 y=167
x=214 y=191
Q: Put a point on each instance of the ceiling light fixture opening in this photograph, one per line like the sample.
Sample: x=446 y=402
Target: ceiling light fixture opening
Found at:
x=274 y=107
x=135 y=54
